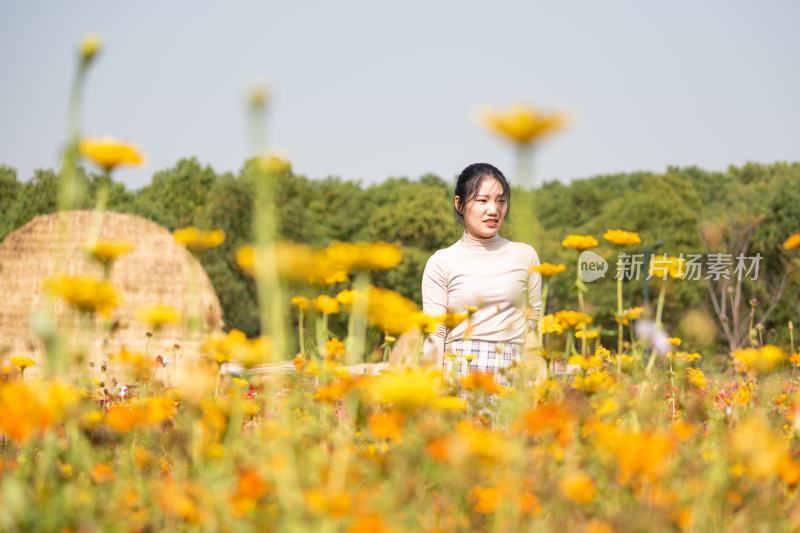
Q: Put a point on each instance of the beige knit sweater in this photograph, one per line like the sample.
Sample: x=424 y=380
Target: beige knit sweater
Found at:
x=491 y=274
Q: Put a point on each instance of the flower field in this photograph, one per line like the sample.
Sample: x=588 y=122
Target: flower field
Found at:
x=608 y=427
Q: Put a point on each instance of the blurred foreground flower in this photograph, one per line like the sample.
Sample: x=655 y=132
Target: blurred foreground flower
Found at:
x=109 y=153
x=235 y=346
x=759 y=361
x=621 y=237
x=522 y=124
x=274 y=165
x=106 y=251
x=29 y=409
x=390 y=311
x=198 y=240
x=324 y=266
x=89 y=46
x=158 y=315
x=410 y=390
x=88 y=294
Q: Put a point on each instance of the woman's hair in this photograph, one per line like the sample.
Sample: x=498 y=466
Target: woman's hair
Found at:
x=469 y=183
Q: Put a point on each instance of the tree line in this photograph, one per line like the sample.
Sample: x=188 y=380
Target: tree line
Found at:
x=750 y=209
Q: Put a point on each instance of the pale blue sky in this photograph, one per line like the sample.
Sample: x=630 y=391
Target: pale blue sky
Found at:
x=365 y=90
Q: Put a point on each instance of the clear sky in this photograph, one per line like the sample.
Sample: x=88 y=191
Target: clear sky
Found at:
x=364 y=89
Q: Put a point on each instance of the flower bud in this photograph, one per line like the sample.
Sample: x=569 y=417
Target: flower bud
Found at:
x=89 y=46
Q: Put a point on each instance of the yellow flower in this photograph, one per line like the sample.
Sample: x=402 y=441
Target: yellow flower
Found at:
x=301 y=302
x=157 y=315
x=274 y=164
x=587 y=334
x=107 y=251
x=389 y=339
x=450 y=320
x=109 y=154
x=757 y=360
x=675 y=341
x=591 y=383
x=410 y=390
x=235 y=346
x=573 y=319
x=759 y=447
x=89 y=46
x=661 y=267
x=246 y=259
x=22 y=361
x=550 y=324
x=630 y=314
x=198 y=240
x=792 y=242
x=334 y=348
x=522 y=123
x=622 y=238
x=683 y=357
x=450 y=403
x=88 y=294
x=548 y=270
x=346 y=256
x=346 y=297
x=579 y=242
x=326 y=304
x=586 y=362
x=695 y=377
x=390 y=311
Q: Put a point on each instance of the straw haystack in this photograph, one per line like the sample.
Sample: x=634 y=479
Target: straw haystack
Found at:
x=158 y=270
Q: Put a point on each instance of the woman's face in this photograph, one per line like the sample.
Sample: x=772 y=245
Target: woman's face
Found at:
x=484 y=214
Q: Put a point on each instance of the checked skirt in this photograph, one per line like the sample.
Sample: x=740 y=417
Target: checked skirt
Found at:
x=463 y=357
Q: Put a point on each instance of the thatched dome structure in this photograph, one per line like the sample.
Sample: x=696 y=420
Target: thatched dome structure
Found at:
x=157 y=270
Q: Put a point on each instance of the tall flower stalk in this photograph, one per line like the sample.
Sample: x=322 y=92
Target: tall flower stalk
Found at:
x=621 y=239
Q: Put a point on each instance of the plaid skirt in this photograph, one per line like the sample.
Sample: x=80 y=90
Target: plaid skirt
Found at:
x=464 y=357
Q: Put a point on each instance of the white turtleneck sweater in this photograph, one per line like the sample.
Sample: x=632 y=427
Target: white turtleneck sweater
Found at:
x=491 y=274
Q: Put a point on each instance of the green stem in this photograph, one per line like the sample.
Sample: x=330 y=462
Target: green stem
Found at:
x=545 y=290
x=660 y=305
x=300 y=334
x=619 y=314
x=357 y=326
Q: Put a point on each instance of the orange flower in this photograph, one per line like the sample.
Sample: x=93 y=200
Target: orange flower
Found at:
x=579 y=242
x=578 y=487
x=792 y=242
x=102 y=473
x=387 y=425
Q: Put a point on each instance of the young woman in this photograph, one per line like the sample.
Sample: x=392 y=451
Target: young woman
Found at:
x=486 y=274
